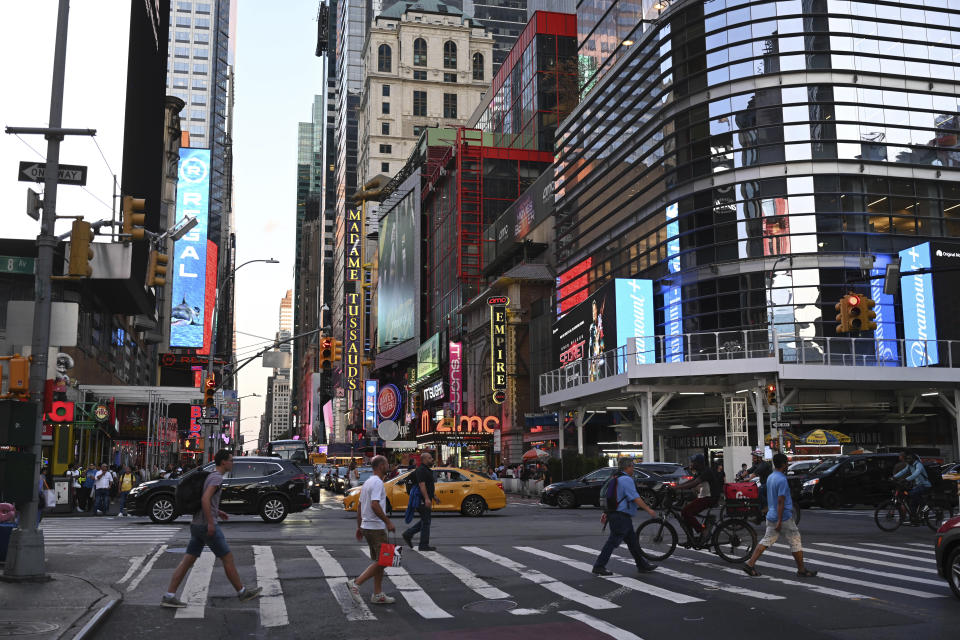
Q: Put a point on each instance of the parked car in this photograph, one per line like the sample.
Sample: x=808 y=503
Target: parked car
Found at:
x=570 y=494
x=269 y=486
x=947 y=551
x=456 y=489
x=797 y=477
x=851 y=480
x=802 y=467
x=951 y=471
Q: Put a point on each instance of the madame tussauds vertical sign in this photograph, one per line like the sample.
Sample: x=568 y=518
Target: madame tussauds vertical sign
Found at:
x=353 y=277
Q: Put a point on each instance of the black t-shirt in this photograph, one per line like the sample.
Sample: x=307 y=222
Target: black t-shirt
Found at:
x=762 y=469
x=425 y=475
x=711 y=478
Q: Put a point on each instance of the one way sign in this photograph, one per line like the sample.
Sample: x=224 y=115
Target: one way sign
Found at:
x=74 y=174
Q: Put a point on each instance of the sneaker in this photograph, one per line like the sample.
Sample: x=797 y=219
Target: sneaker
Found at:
x=602 y=571
x=354 y=590
x=427 y=548
x=408 y=538
x=249 y=594
x=382 y=598
x=647 y=568
x=172 y=602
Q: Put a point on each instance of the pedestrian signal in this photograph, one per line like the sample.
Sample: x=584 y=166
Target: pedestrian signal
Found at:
x=134 y=217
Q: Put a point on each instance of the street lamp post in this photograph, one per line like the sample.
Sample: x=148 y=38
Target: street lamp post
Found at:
x=213 y=335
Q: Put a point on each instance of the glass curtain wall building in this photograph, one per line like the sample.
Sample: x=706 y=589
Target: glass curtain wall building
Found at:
x=746 y=156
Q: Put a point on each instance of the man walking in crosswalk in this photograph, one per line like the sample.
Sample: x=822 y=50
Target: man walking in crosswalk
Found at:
x=620 y=519
x=372 y=525
x=205 y=532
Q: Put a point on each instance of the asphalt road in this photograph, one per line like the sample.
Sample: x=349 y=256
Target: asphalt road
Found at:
x=519 y=572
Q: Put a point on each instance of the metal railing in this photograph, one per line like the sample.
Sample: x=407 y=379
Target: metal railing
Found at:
x=760 y=343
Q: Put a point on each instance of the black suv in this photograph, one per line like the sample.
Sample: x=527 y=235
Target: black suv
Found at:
x=268 y=486
x=570 y=494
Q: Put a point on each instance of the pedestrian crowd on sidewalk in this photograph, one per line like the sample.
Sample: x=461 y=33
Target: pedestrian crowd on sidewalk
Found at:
x=97 y=488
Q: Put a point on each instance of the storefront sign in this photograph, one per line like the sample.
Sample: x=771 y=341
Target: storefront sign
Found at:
x=498 y=346
x=101 y=412
x=433 y=392
x=370 y=391
x=464 y=424
x=389 y=402
x=456 y=376
x=353 y=265
x=196 y=411
x=694 y=442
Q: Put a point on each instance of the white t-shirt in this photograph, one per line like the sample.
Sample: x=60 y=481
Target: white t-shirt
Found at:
x=104 y=479
x=371 y=490
x=75 y=474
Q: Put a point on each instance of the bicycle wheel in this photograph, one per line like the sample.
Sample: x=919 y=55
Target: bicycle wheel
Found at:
x=889 y=515
x=935 y=516
x=735 y=540
x=658 y=539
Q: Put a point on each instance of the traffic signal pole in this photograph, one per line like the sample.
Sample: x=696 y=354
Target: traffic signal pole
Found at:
x=25 y=556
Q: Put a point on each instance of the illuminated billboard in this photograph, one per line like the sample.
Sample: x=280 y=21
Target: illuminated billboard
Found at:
x=919 y=312
x=672 y=297
x=885 y=335
x=397 y=270
x=428 y=357
x=353 y=274
x=189 y=289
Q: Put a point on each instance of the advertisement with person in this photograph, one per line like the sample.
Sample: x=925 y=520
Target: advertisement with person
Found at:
x=397 y=273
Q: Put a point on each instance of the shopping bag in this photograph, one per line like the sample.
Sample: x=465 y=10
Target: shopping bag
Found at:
x=389 y=555
x=49 y=498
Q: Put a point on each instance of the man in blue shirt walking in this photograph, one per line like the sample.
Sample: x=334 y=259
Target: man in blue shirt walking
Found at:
x=621 y=522
x=779 y=520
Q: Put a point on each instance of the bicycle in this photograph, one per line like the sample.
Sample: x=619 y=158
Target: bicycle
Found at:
x=733 y=539
x=892 y=513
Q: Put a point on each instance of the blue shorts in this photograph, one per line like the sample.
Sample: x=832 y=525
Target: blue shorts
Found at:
x=199 y=539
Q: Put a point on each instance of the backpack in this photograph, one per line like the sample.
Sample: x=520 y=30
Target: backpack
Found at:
x=190 y=492
x=608 y=493
x=933 y=474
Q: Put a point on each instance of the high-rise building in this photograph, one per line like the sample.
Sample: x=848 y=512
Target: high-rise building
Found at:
x=505 y=19
x=286 y=311
x=278 y=389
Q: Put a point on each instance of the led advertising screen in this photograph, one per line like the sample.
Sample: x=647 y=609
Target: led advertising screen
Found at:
x=428 y=357
x=572 y=286
x=672 y=297
x=188 y=315
x=620 y=309
x=397 y=273
x=885 y=335
x=919 y=312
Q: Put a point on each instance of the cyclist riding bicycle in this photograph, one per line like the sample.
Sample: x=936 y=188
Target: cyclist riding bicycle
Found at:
x=708 y=484
x=916 y=474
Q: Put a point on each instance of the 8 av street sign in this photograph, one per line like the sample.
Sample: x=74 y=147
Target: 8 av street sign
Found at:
x=16 y=264
x=74 y=174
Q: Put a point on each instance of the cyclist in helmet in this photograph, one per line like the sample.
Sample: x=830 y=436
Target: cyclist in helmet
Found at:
x=917 y=474
x=761 y=468
x=708 y=485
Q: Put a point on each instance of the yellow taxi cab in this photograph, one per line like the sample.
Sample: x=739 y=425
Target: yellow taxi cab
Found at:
x=456 y=490
x=951 y=471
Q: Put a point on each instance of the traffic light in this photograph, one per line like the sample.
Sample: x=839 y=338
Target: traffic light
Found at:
x=772 y=394
x=868 y=314
x=849 y=313
x=337 y=352
x=209 y=390
x=81 y=252
x=134 y=217
x=326 y=353
x=157 y=269
x=19 y=376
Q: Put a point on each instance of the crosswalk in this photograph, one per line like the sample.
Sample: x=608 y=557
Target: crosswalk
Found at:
x=71 y=531
x=549 y=578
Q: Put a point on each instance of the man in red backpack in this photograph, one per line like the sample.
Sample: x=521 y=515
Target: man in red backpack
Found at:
x=619 y=515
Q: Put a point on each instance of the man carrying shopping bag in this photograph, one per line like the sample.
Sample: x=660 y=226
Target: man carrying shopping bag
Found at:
x=372 y=525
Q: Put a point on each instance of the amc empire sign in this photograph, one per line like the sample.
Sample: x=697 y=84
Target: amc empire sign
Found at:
x=353 y=340
x=498 y=346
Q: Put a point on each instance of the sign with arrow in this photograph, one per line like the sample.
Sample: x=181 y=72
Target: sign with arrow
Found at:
x=74 y=174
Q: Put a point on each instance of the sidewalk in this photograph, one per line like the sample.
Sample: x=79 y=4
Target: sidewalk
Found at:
x=65 y=606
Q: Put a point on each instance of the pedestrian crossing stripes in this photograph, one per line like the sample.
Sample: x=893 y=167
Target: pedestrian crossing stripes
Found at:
x=548 y=579
x=69 y=531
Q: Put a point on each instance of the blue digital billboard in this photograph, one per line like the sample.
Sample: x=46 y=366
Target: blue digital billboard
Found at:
x=189 y=287
x=635 y=316
x=919 y=312
x=672 y=296
x=885 y=335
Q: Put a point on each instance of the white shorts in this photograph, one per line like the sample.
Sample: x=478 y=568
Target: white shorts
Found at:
x=788 y=528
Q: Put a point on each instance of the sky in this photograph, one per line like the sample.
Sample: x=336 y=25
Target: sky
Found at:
x=276 y=75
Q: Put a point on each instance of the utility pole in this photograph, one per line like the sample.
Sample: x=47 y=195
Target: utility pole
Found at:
x=26 y=557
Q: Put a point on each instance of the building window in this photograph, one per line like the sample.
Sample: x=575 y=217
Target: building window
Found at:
x=420 y=103
x=181 y=52
x=200 y=67
x=180 y=82
x=202 y=23
x=478 y=66
x=385 y=167
x=183 y=36
x=198 y=114
x=418 y=129
x=184 y=6
x=420 y=53
x=386 y=148
x=199 y=98
x=385 y=128
x=201 y=53
x=419 y=75
x=201 y=37
x=183 y=21
x=200 y=83
x=182 y=67
x=449 y=77
x=449 y=105
x=386 y=90
x=385 y=108
x=449 y=55
x=203 y=7
x=197 y=130
x=384 y=58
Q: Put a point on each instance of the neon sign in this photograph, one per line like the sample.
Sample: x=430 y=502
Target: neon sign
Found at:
x=465 y=424
x=498 y=346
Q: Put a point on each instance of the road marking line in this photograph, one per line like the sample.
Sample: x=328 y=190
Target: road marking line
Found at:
x=600 y=625
x=273 y=611
x=924 y=547
x=197 y=587
x=134 y=565
x=882 y=553
x=848 y=580
x=146 y=569
x=624 y=581
x=467 y=577
x=415 y=596
x=704 y=582
x=826 y=591
x=882 y=563
x=337 y=581
x=545 y=581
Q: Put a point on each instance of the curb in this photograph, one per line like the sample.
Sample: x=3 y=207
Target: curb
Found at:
x=97 y=619
x=108 y=593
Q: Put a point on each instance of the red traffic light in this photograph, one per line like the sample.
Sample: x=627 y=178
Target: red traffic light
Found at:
x=853 y=300
x=771 y=387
